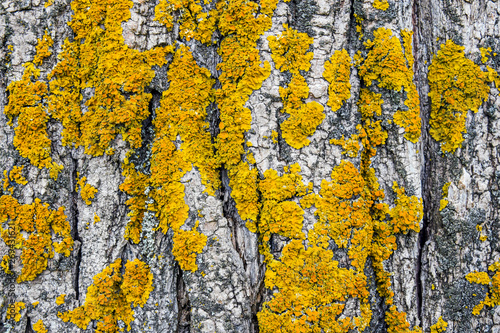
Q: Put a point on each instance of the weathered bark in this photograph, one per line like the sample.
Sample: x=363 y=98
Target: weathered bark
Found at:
x=227 y=291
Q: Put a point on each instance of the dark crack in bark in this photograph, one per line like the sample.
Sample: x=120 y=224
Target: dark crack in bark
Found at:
x=183 y=305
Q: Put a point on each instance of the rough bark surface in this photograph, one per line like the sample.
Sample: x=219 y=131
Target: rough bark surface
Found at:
x=227 y=291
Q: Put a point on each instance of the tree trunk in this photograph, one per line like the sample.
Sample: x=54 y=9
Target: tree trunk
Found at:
x=240 y=166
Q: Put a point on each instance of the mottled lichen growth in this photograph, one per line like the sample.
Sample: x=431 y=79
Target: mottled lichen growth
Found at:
x=135 y=185
x=289 y=52
x=28 y=104
x=492 y=298
x=181 y=118
x=485 y=53
x=97 y=59
x=41 y=225
x=457 y=85
x=393 y=69
x=312 y=289
x=111 y=297
x=193 y=21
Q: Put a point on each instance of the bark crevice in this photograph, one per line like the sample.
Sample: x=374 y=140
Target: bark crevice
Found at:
x=183 y=304
x=74 y=228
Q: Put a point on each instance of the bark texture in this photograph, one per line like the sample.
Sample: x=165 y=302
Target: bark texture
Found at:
x=230 y=288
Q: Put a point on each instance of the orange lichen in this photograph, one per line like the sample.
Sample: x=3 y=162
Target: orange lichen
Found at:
x=457 y=85
x=493 y=296
x=337 y=73
x=39 y=327
x=13 y=311
x=39 y=222
x=111 y=297
x=87 y=191
x=440 y=326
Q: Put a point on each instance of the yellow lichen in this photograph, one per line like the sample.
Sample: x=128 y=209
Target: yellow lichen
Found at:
x=137 y=282
x=27 y=104
x=135 y=185
x=393 y=69
x=99 y=59
x=42 y=48
x=440 y=326
x=485 y=53
x=492 y=298
x=39 y=223
x=274 y=136
x=381 y=4
x=289 y=52
x=60 y=299
x=243 y=182
x=350 y=213
x=87 y=191
x=359 y=25
x=111 y=297
x=15 y=175
x=13 y=311
x=350 y=146
x=443 y=202
x=193 y=21
x=337 y=73
x=5 y=264
x=39 y=327
x=186 y=245
x=457 y=85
